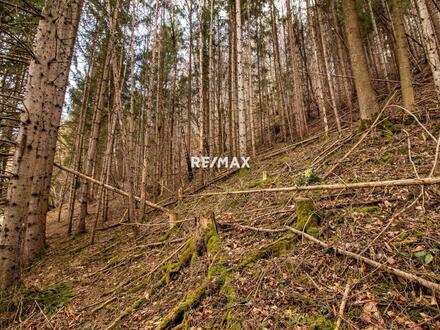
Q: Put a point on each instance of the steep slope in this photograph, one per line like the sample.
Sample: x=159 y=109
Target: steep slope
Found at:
x=267 y=279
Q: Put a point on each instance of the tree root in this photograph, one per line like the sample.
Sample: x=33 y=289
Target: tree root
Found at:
x=205 y=237
x=217 y=278
x=277 y=248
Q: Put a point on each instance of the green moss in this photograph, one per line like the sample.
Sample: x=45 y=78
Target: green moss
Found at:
x=306 y=217
x=285 y=159
x=170 y=232
x=243 y=172
x=227 y=291
x=39 y=256
x=391 y=126
x=212 y=240
x=188 y=254
x=386 y=158
x=217 y=277
x=177 y=314
x=117 y=260
x=362 y=126
x=389 y=129
x=260 y=183
x=56 y=297
x=127 y=311
x=23 y=299
x=276 y=248
x=311 y=322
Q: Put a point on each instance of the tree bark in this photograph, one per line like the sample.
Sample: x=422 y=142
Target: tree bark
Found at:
x=365 y=93
x=432 y=49
x=402 y=54
x=242 y=138
x=36 y=143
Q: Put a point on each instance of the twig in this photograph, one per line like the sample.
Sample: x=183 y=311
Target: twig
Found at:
x=152 y=271
x=391 y=270
x=343 y=304
x=105 y=303
x=262 y=230
x=364 y=135
x=417 y=120
x=389 y=224
x=45 y=317
x=434 y=165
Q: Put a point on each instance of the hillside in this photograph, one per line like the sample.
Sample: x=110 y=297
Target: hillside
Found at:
x=271 y=280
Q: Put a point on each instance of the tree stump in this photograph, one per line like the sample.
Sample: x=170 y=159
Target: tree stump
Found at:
x=173 y=220
x=307 y=218
x=206 y=230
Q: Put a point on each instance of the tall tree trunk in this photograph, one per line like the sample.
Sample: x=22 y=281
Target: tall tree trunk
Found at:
x=36 y=143
x=432 y=50
x=94 y=135
x=250 y=84
x=79 y=141
x=189 y=97
x=297 y=89
x=402 y=54
x=202 y=110
x=327 y=69
x=366 y=97
x=148 y=119
x=315 y=68
x=282 y=108
x=242 y=138
x=434 y=12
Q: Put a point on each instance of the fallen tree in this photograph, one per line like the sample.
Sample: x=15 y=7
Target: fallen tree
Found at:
x=113 y=189
x=336 y=186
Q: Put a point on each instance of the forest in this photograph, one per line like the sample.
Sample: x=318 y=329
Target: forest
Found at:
x=220 y=164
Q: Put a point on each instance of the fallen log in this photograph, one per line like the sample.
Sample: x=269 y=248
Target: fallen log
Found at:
x=113 y=189
x=336 y=186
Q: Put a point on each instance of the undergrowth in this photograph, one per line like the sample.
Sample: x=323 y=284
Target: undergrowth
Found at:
x=18 y=301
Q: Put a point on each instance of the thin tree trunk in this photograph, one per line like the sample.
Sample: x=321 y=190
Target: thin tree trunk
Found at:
x=402 y=55
x=315 y=68
x=97 y=114
x=432 y=50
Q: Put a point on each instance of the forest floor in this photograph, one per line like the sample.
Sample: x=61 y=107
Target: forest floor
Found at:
x=116 y=282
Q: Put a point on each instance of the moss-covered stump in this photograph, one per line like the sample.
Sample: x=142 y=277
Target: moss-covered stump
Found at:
x=174 y=226
x=218 y=276
x=306 y=217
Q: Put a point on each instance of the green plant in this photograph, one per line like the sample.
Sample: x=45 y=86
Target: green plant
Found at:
x=308 y=177
x=426 y=256
x=23 y=300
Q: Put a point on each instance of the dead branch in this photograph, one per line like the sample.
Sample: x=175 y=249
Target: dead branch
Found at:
x=343 y=304
x=111 y=188
x=391 y=270
x=336 y=186
x=263 y=230
x=434 y=165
